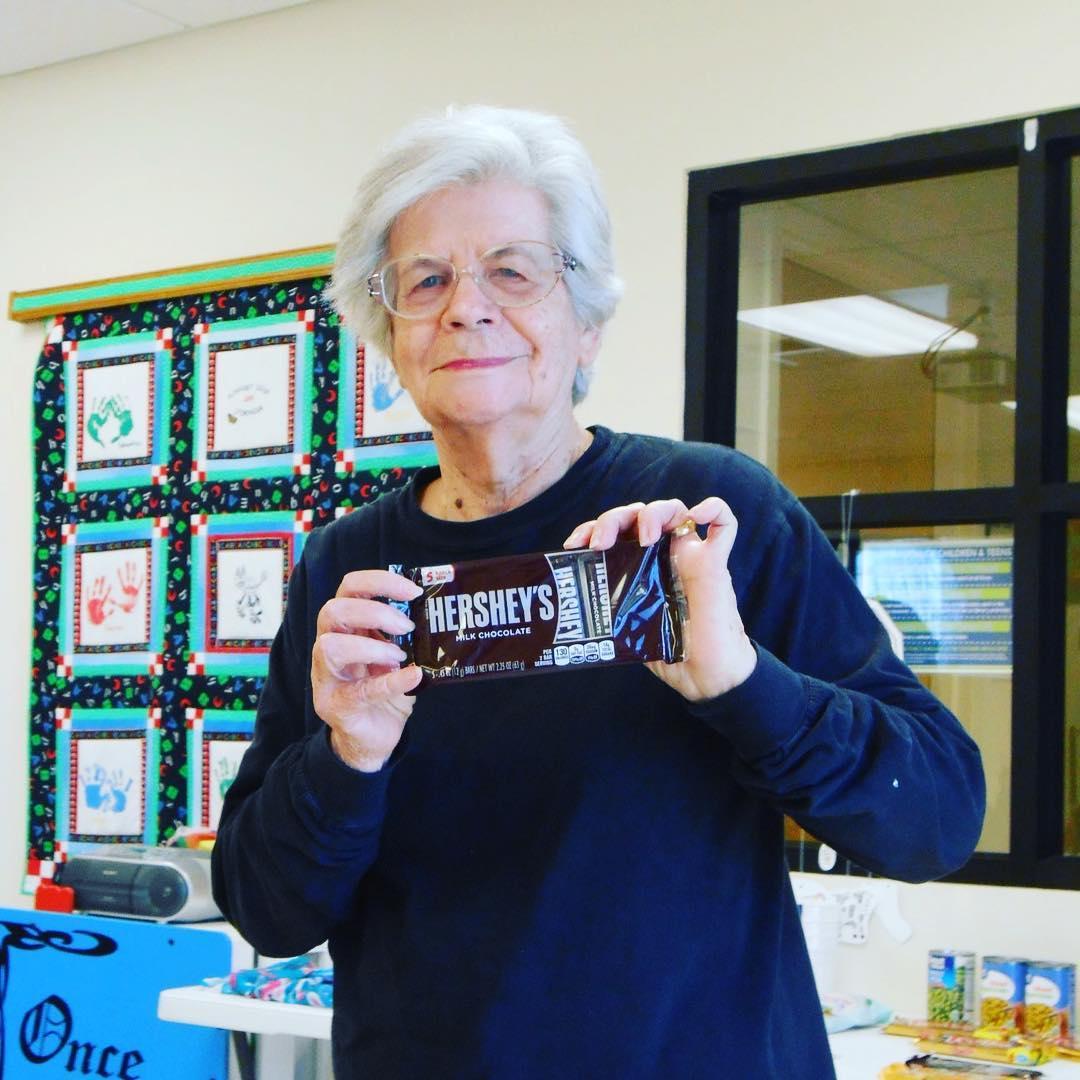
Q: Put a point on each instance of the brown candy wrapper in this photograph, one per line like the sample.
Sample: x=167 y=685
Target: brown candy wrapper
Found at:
x=554 y=611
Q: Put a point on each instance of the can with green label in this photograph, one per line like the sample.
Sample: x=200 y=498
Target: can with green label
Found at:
x=951 y=980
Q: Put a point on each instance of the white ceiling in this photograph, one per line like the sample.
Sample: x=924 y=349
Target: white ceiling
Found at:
x=34 y=33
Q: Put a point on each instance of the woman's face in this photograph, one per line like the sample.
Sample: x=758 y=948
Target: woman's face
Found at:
x=477 y=364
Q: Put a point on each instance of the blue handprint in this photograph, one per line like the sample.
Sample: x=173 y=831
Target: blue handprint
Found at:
x=381 y=395
x=104 y=791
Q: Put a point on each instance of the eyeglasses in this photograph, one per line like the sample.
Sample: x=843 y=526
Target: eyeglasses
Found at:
x=509 y=275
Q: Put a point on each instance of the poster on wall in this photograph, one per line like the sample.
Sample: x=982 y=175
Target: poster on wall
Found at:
x=951 y=600
x=191 y=429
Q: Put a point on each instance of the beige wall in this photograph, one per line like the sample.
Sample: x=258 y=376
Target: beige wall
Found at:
x=248 y=137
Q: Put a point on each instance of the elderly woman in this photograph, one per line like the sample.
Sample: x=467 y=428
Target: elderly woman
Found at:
x=581 y=874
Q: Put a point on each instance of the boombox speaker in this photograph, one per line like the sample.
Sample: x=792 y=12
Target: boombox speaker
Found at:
x=163 y=883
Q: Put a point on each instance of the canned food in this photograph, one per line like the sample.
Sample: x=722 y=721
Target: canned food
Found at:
x=1050 y=1000
x=951 y=986
x=1001 y=991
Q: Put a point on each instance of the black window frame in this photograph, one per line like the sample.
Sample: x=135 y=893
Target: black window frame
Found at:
x=1041 y=500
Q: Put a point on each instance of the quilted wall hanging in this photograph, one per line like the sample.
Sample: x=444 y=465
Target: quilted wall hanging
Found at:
x=190 y=429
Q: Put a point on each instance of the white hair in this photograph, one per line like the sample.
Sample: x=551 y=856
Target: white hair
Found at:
x=468 y=146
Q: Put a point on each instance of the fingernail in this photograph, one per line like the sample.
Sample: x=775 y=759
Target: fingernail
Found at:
x=687 y=527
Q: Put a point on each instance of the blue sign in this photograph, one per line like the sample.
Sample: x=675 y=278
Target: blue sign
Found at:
x=78 y=997
x=951 y=599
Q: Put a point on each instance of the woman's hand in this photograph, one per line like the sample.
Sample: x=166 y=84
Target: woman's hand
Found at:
x=357 y=681
x=719 y=655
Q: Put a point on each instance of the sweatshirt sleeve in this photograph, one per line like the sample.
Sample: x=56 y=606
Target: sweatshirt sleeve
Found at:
x=299 y=828
x=832 y=727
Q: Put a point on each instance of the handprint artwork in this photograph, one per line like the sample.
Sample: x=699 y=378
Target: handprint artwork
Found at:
x=224 y=775
x=225 y=755
x=107 y=792
x=131 y=581
x=109 y=421
x=102 y=601
x=99 y=602
x=385 y=388
x=114 y=408
x=109 y=787
x=388 y=409
x=114 y=596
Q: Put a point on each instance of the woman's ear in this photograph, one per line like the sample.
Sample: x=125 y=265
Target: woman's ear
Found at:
x=590 y=346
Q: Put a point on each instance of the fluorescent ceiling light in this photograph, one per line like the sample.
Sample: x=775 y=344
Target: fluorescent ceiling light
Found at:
x=1072 y=410
x=863 y=325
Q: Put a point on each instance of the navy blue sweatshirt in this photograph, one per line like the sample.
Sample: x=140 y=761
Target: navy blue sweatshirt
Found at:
x=579 y=874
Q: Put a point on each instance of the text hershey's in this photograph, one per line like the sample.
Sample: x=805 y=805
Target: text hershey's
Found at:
x=490 y=607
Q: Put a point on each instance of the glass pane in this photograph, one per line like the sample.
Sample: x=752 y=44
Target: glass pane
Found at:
x=1072 y=694
x=876 y=335
x=1074 y=331
x=948 y=590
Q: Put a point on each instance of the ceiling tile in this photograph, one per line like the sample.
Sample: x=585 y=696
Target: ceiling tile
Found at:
x=206 y=12
x=46 y=33
x=40 y=32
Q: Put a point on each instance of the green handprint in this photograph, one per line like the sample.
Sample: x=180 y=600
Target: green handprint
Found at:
x=224 y=774
x=109 y=420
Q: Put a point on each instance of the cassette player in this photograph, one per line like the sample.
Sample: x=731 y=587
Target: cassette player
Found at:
x=165 y=884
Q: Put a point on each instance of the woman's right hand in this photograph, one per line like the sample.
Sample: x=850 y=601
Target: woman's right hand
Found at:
x=358 y=684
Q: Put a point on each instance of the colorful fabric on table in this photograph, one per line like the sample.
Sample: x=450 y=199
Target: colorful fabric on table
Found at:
x=297 y=981
x=843 y=1011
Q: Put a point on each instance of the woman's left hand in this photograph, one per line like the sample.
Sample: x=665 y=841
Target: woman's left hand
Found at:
x=719 y=655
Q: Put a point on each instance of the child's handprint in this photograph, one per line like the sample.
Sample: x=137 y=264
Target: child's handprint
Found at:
x=109 y=420
x=99 y=414
x=99 y=603
x=382 y=397
x=105 y=792
x=130 y=583
x=123 y=416
x=224 y=774
x=118 y=792
x=92 y=780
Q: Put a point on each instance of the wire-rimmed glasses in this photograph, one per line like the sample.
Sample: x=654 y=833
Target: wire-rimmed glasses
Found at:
x=514 y=274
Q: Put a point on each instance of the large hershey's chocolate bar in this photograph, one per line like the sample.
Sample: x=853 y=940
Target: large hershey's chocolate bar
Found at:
x=553 y=611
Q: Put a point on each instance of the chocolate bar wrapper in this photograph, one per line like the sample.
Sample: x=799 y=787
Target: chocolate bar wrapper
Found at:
x=547 y=611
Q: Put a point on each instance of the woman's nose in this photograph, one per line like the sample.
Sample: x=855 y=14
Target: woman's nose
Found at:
x=468 y=304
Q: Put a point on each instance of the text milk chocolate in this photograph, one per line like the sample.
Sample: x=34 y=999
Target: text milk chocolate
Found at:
x=548 y=611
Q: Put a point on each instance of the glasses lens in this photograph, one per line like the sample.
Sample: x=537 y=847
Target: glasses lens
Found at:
x=510 y=275
x=417 y=285
x=515 y=275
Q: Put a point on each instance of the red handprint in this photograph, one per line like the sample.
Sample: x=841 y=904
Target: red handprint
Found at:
x=99 y=603
x=130 y=583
